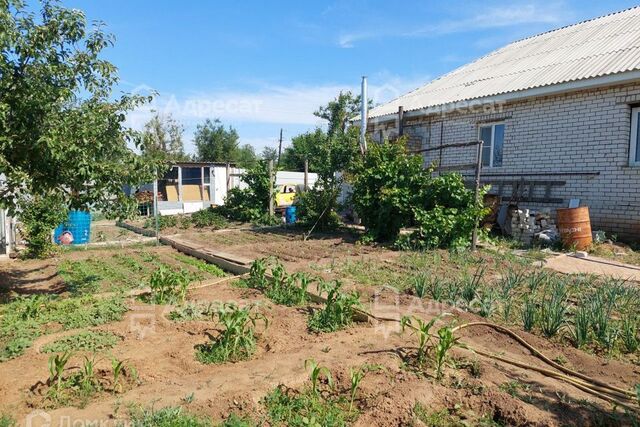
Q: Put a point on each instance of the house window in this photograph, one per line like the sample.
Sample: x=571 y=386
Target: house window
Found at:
x=493 y=138
x=634 y=148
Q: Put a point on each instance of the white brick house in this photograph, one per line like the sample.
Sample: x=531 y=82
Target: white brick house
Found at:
x=560 y=111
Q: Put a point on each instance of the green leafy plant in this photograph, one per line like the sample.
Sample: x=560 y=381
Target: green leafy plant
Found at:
x=446 y=341
x=487 y=302
x=337 y=312
x=201 y=265
x=529 y=311
x=236 y=339
x=117 y=367
x=169 y=286
x=57 y=365
x=423 y=331
x=629 y=333
x=553 y=308
x=286 y=407
x=83 y=341
x=209 y=217
x=316 y=372
x=250 y=204
x=167 y=417
x=421 y=285
x=581 y=325
x=356 y=376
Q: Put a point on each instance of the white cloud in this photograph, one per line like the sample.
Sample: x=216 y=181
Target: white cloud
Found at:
x=486 y=18
x=258 y=113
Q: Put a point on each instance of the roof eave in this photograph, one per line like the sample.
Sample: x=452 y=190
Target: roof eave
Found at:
x=576 y=85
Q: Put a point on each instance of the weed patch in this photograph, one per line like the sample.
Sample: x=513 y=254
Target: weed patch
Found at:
x=83 y=341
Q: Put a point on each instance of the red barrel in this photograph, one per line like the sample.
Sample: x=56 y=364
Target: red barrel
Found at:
x=574 y=226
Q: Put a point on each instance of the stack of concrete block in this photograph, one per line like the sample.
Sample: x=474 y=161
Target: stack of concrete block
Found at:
x=528 y=225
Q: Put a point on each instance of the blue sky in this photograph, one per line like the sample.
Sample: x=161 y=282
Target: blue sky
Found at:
x=260 y=66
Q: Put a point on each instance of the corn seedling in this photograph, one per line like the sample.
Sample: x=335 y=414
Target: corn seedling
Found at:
x=553 y=308
x=316 y=372
x=338 y=310
x=258 y=274
x=356 y=376
x=168 y=286
x=423 y=330
x=87 y=374
x=237 y=340
x=528 y=313
x=445 y=342
x=629 y=333
x=57 y=364
x=421 y=285
x=117 y=366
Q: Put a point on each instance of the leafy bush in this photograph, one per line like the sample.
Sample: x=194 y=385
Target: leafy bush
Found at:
x=392 y=190
x=209 y=217
x=38 y=218
x=318 y=207
x=252 y=203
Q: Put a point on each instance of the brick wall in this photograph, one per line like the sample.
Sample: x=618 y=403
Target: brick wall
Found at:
x=583 y=133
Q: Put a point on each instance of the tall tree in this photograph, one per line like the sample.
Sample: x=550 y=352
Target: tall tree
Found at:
x=62 y=133
x=338 y=112
x=269 y=153
x=245 y=156
x=162 y=138
x=215 y=143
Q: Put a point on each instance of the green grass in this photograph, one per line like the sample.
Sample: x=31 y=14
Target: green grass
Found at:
x=7 y=421
x=167 y=417
x=26 y=318
x=446 y=418
x=201 y=265
x=287 y=407
x=83 y=341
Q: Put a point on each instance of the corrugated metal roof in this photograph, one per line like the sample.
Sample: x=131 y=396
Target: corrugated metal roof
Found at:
x=595 y=48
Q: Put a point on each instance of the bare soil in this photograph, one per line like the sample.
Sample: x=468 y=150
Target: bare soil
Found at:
x=162 y=351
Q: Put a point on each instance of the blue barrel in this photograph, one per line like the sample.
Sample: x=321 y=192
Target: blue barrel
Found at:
x=290 y=214
x=78 y=224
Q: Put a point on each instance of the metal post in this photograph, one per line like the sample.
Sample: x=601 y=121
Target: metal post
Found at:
x=306 y=174
x=155 y=210
x=271 y=207
x=474 y=236
x=364 y=115
x=180 y=196
x=400 y=121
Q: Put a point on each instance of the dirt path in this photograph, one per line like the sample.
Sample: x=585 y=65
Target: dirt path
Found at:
x=593 y=265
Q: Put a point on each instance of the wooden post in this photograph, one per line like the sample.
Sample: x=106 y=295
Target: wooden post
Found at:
x=474 y=235
x=400 y=121
x=228 y=177
x=306 y=174
x=271 y=207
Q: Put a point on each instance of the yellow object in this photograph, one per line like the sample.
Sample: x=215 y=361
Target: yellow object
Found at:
x=285 y=195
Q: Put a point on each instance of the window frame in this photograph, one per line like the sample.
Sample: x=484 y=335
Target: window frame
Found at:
x=634 y=137
x=492 y=125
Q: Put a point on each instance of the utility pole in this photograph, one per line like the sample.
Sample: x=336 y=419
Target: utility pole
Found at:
x=280 y=148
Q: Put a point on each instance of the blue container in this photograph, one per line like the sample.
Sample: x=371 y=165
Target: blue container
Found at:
x=78 y=224
x=290 y=214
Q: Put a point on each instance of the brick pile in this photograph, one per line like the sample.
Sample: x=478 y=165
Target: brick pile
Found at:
x=528 y=225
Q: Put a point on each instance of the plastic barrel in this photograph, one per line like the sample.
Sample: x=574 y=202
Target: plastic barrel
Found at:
x=574 y=225
x=290 y=214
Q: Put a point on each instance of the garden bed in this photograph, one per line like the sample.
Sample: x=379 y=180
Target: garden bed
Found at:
x=272 y=386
